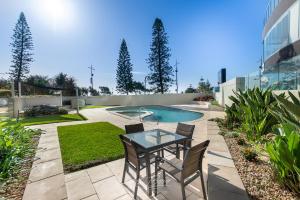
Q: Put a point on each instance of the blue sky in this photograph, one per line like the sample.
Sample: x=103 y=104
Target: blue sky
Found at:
x=70 y=35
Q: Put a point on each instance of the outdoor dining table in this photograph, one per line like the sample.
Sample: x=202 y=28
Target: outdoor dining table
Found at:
x=153 y=140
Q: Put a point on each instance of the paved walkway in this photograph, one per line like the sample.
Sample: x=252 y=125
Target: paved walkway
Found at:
x=47 y=180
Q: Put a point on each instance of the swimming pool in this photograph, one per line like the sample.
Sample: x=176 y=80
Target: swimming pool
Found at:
x=158 y=113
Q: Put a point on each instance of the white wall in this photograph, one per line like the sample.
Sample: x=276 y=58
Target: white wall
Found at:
x=28 y=101
x=40 y=100
x=152 y=99
x=227 y=88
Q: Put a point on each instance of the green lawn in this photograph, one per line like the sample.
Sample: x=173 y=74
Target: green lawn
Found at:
x=91 y=107
x=44 y=120
x=89 y=144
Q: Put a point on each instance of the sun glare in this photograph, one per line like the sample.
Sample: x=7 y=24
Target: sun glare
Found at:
x=59 y=14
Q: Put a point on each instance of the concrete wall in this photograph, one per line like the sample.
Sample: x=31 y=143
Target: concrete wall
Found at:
x=40 y=100
x=20 y=104
x=227 y=88
x=153 y=99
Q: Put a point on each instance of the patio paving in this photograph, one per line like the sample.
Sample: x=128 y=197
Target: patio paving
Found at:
x=47 y=180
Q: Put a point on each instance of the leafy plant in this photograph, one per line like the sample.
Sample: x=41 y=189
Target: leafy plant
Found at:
x=233 y=134
x=288 y=111
x=249 y=154
x=284 y=154
x=250 y=111
x=232 y=119
x=241 y=141
x=15 y=143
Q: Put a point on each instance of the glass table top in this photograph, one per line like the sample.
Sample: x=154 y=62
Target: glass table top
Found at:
x=155 y=138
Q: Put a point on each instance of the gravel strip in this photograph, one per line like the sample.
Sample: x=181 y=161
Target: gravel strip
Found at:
x=258 y=177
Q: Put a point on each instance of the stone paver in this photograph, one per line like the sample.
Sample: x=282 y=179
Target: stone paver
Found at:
x=104 y=181
x=80 y=187
x=93 y=197
x=45 y=170
x=44 y=155
x=223 y=178
x=52 y=188
x=109 y=188
x=99 y=172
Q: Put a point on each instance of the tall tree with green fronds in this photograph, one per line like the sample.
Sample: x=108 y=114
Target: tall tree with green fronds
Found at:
x=161 y=72
x=22 y=47
x=124 y=70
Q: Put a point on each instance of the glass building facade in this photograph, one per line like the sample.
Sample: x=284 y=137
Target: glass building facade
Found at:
x=281 y=43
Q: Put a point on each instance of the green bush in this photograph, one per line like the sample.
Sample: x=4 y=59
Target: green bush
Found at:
x=233 y=116
x=241 y=141
x=287 y=111
x=249 y=154
x=249 y=112
x=44 y=110
x=233 y=134
x=15 y=143
x=284 y=154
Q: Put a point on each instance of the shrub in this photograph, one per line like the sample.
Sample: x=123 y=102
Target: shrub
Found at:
x=232 y=118
x=284 y=154
x=287 y=111
x=241 y=141
x=44 y=110
x=249 y=154
x=222 y=133
x=66 y=102
x=204 y=98
x=250 y=112
x=233 y=134
x=15 y=143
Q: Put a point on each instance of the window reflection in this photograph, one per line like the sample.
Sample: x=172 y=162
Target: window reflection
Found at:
x=278 y=37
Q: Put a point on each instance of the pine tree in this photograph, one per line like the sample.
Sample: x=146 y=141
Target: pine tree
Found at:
x=22 y=47
x=124 y=70
x=204 y=87
x=161 y=75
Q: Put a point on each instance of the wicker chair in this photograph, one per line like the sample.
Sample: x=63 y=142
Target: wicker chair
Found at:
x=185 y=171
x=134 y=160
x=185 y=130
x=134 y=128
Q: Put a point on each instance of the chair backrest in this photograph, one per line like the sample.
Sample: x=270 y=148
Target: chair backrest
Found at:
x=134 y=128
x=193 y=159
x=185 y=130
x=131 y=154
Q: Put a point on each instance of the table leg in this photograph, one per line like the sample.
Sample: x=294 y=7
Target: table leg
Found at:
x=148 y=172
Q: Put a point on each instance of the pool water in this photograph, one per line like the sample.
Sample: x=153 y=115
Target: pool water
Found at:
x=159 y=113
x=132 y=113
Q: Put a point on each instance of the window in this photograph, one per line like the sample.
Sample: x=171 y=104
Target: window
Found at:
x=278 y=37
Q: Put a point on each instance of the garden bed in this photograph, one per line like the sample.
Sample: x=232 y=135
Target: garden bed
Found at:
x=257 y=176
x=14 y=187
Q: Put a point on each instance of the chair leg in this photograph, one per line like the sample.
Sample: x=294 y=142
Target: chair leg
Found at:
x=177 y=152
x=124 y=171
x=203 y=185
x=136 y=183
x=155 y=179
x=183 y=190
x=164 y=177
